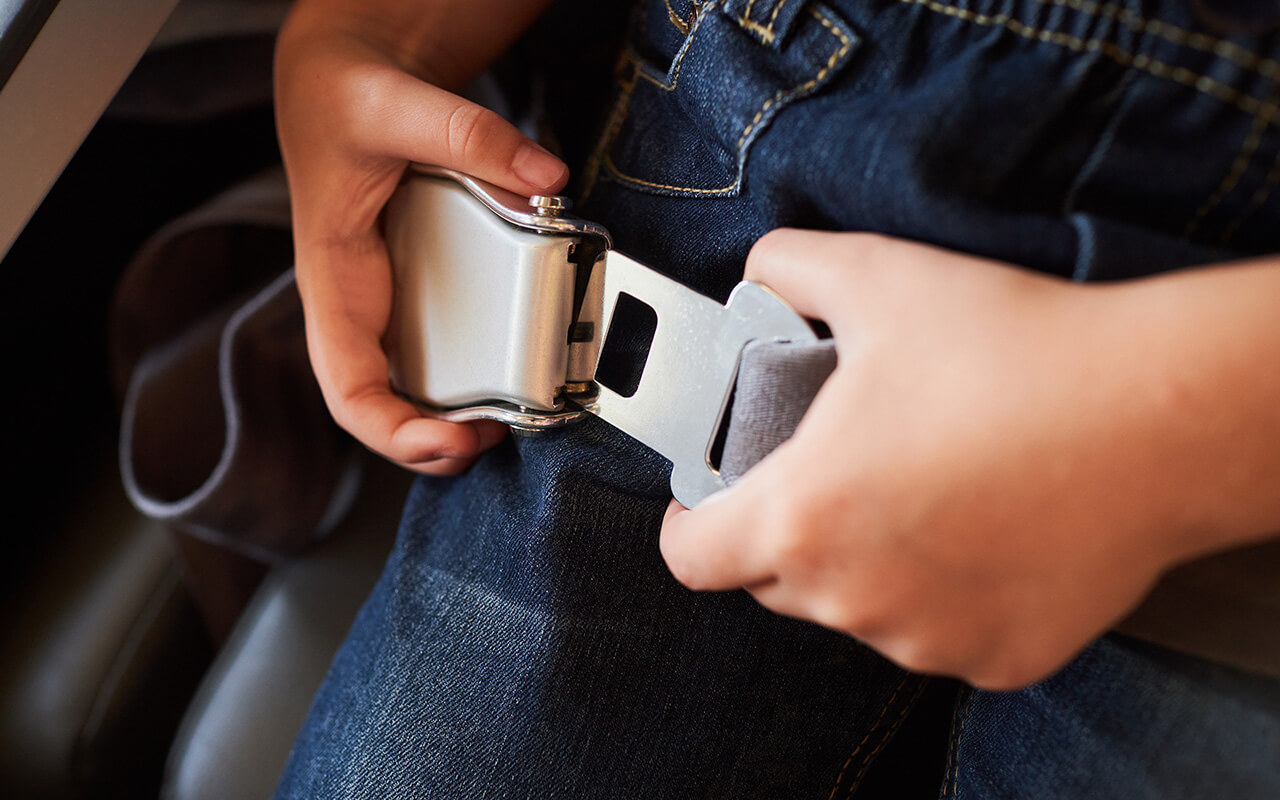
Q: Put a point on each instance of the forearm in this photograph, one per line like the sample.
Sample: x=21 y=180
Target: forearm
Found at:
x=1202 y=348
x=445 y=42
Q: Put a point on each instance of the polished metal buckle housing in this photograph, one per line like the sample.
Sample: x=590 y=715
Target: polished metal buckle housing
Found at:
x=503 y=307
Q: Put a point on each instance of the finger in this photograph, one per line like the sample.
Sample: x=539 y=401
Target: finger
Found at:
x=812 y=270
x=400 y=432
x=416 y=121
x=488 y=434
x=718 y=545
x=442 y=467
x=778 y=597
x=351 y=369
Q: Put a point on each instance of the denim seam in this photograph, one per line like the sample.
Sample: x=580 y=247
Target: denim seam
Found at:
x=773 y=18
x=676 y=20
x=669 y=81
x=846 y=44
x=1259 y=197
x=613 y=124
x=1240 y=56
x=950 y=783
x=757 y=123
x=1229 y=181
x=765 y=33
x=622 y=106
x=875 y=727
x=870 y=758
x=1201 y=83
x=1101 y=147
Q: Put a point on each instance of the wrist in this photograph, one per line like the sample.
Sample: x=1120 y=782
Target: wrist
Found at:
x=399 y=32
x=443 y=42
x=1192 y=351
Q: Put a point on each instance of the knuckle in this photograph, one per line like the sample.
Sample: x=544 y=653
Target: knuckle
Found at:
x=791 y=552
x=773 y=241
x=867 y=247
x=679 y=564
x=769 y=249
x=870 y=242
x=863 y=256
x=1014 y=669
x=1000 y=678
x=797 y=523
x=856 y=616
x=342 y=415
x=865 y=252
x=862 y=616
x=363 y=94
x=469 y=132
x=858 y=606
x=791 y=547
x=925 y=656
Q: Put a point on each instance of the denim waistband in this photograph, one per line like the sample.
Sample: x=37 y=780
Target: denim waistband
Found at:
x=1092 y=140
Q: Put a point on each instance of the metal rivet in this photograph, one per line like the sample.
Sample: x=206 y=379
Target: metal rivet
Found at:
x=549 y=205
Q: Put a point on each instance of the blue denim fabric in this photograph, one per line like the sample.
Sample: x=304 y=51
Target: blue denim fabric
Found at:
x=1124 y=720
x=526 y=639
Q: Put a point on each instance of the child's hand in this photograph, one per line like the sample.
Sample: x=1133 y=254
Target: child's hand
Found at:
x=358 y=96
x=1002 y=463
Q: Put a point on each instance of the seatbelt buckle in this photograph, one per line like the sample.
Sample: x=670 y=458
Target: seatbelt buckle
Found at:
x=504 y=308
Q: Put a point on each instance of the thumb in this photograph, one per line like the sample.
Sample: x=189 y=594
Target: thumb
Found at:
x=799 y=266
x=825 y=275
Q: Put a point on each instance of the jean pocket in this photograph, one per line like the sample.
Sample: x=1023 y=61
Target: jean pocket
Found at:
x=686 y=127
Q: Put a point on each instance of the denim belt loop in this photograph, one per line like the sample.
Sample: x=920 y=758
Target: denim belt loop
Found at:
x=767 y=21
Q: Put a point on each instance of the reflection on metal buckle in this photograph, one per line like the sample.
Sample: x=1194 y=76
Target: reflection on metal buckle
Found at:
x=487 y=305
x=501 y=310
x=520 y=418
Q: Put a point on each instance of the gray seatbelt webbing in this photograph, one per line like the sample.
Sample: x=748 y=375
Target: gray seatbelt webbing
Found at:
x=776 y=383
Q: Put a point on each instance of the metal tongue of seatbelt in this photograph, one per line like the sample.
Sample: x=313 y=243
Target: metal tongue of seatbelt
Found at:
x=681 y=396
x=503 y=306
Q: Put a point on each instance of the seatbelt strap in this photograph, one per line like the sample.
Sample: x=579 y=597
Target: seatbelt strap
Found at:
x=777 y=382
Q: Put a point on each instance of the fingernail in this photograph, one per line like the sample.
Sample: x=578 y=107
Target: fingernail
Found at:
x=536 y=166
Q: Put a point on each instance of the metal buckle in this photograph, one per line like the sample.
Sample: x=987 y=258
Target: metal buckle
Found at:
x=501 y=310
x=487 y=321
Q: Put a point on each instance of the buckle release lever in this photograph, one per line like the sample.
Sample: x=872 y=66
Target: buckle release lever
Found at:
x=500 y=312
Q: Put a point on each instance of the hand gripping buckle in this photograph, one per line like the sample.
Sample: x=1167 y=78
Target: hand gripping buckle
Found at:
x=502 y=309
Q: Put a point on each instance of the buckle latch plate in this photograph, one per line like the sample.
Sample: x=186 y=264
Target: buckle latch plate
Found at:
x=692 y=365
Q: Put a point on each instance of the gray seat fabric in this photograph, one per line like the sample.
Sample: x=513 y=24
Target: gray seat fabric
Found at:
x=101 y=651
x=224 y=431
x=237 y=733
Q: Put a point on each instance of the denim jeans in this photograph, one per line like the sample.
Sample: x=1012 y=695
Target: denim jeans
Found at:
x=526 y=640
